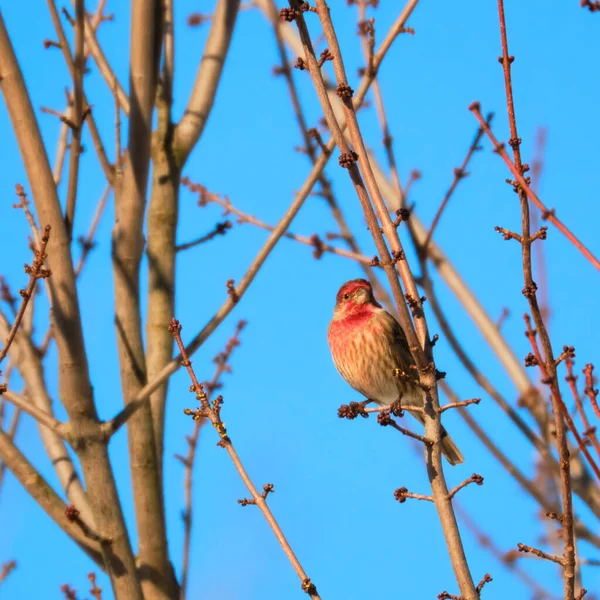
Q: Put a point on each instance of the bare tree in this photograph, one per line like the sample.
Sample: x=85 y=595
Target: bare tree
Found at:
x=148 y=175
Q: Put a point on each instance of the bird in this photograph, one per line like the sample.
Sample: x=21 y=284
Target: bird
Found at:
x=367 y=345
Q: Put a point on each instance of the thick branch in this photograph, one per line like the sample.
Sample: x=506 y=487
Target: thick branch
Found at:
x=128 y=244
x=162 y=232
x=39 y=489
x=199 y=105
x=24 y=356
x=74 y=384
x=41 y=416
x=171 y=148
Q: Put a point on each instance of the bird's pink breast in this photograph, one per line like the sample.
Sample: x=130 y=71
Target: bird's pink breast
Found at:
x=360 y=353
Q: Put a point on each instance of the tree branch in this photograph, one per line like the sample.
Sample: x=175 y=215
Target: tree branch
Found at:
x=529 y=289
x=104 y=67
x=547 y=214
x=359 y=97
x=78 y=116
x=157 y=582
x=36 y=272
x=39 y=489
x=25 y=358
x=283 y=30
x=212 y=411
x=42 y=417
x=222 y=361
x=74 y=384
x=416 y=333
x=66 y=50
x=189 y=129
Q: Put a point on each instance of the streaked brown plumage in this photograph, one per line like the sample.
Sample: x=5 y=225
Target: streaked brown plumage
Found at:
x=367 y=344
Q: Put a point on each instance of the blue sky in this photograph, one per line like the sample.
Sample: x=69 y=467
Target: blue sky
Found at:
x=333 y=479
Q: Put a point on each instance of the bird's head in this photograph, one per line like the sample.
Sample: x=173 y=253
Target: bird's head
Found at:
x=356 y=294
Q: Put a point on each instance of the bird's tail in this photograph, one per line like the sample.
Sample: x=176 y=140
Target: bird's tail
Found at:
x=450 y=449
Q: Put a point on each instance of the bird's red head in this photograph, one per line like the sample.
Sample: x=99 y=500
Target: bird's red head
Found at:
x=355 y=292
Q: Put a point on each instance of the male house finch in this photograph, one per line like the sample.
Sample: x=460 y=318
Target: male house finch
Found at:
x=367 y=344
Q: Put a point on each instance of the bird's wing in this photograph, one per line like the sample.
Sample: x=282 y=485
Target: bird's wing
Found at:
x=399 y=345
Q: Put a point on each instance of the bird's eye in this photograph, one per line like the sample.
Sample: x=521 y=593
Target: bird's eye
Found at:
x=346 y=296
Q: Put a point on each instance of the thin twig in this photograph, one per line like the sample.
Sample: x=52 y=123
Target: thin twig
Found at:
x=212 y=412
x=95 y=591
x=7 y=569
x=66 y=50
x=77 y=115
x=550 y=379
x=219 y=229
x=537 y=165
x=528 y=486
x=590 y=391
x=459 y=404
x=402 y=494
x=459 y=174
x=314 y=241
x=36 y=271
x=67 y=115
x=475 y=478
x=87 y=245
x=589 y=431
x=104 y=67
x=196 y=19
x=488 y=544
x=547 y=214
x=222 y=362
x=529 y=291
x=540 y=554
x=368 y=42
x=355 y=409
x=447 y=596
x=415 y=436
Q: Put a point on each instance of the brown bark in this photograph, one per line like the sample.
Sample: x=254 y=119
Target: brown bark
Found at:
x=154 y=568
x=171 y=147
x=75 y=389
